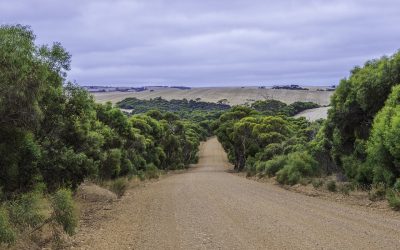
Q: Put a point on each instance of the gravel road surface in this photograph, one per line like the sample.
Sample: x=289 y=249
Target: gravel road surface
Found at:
x=210 y=208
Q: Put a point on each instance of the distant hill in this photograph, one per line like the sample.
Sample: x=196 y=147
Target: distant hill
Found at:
x=228 y=95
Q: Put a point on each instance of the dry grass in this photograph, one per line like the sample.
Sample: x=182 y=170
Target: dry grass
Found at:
x=314 y=114
x=235 y=95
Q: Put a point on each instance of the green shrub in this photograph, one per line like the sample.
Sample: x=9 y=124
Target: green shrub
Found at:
x=377 y=192
x=317 y=183
x=270 y=151
x=152 y=171
x=251 y=167
x=331 y=186
x=275 y=164
x=141 y=175
x=396 y=186
x=393 y=198
x=383 y=146
x=64 y=210
x=260 y=167
x=298 y=165
x=119 y=186
x=304 y=181
x=27 y=210
x=7 y=234
x=111 y=167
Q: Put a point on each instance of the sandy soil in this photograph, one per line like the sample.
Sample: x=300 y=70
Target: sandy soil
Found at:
x=314 y=114
x=210 y=208
x=235 y=95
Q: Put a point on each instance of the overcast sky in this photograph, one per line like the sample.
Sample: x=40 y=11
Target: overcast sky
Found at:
x=212 y=42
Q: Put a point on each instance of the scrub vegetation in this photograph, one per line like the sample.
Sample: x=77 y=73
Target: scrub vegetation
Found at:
x=54 y=136
x=359 y=141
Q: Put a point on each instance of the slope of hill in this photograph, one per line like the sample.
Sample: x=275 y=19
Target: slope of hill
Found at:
x=234 y=95
x=314 y=114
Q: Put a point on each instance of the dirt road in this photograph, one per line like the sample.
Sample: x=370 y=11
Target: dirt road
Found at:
x=209 y=208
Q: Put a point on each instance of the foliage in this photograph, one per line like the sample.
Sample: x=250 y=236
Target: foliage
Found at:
x=396 y=186
x=275 y=107
x=317 y=182
x=119 y=186
x=152 y=172
x=179 y=106
x=64 y=210
x=393 y=198
x=53 y=136
x=354 y=106
x=345 y=188
x=297 y=166
x=383 y=147
x=272 y=166
x=377 y=192
x=27 y=210
x=53 y=132
x=7 y=234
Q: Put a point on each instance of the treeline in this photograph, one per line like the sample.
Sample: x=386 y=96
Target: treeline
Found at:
x=254 y=141
x=53 y=136
x=359 y=141
x=179 y=106
x=275 y=107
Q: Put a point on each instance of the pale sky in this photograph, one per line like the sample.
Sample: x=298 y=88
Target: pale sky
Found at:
x=212 y=42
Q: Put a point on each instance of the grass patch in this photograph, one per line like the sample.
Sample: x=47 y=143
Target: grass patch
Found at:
x=345 y=188
x=28 y=210
x=119 y=187
x=7 y=234
x=64 y=210
x=317 y=183
x=393 y=197
x=331 y=186
x=377 y=192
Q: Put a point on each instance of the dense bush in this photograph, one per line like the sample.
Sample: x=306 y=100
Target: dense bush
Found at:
x=383 y=147
x=275 y=107
x=180 y=106
x=64 y=210
x=393 y=198
x=297 y=166
x=354 y=105
x=53 y=135
x=272 y=166
x=53 y=132
x=152 y=172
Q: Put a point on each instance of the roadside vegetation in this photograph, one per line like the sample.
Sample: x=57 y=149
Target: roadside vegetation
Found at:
x=359 y=141
x=53 y=136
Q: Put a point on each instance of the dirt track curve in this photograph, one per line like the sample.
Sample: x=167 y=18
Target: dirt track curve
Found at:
x=210 y=208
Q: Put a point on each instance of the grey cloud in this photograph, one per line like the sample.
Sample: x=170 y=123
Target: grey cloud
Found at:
x=212 y=42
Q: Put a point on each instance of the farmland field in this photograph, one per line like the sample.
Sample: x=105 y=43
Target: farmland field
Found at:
x=234 y=95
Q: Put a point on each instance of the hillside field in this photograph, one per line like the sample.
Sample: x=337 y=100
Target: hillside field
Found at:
x=234 y=95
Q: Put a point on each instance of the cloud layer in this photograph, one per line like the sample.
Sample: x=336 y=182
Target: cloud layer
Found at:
x=208 y=42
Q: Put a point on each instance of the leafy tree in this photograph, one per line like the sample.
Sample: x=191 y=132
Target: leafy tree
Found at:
x=383 y=147
x=355 y=103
